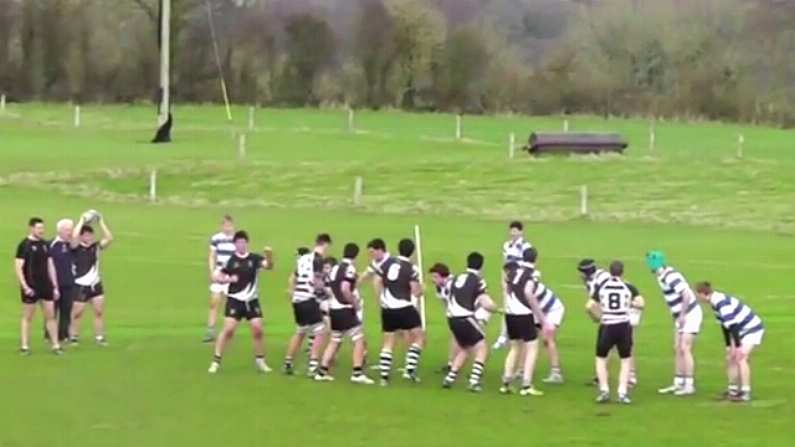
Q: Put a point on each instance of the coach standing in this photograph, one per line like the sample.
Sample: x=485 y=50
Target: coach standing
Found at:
x=63 y=259
x=38 y=283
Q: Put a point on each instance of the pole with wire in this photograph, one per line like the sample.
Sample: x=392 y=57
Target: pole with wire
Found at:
x=217 y=53
x=421 y=298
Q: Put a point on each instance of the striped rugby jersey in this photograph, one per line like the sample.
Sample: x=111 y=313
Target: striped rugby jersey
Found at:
x=593 y=282
x=87 y=264
x=512 y=251
x=733 y=314
x=345 y=271
x=397 y=274
x=307 y=266
x=674 y=286
x=547 y=299
x=615 y=300
x=443 y=292
x=224 y=247
x=516 y=302
x=465 y=293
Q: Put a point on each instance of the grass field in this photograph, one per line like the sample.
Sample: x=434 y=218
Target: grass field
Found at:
x=717 y=216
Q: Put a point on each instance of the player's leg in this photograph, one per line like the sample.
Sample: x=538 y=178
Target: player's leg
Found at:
x=98 y=305
x=316 y=348
x=292 y=349
x=48 y=310
x=603 y=346
x=624 y=346
x=226 y=335
x=212 y=314
x=679 y=380
x=65 y=312
x=329 y=353
x=481 y=354
x=28 y=310
x=359 y=348
x=551 y=344
x=258 y=336
x=509 y=370
x=743 y=361
x=458 y=363
x=385 y=358
x=77 y=317
x=686 y=341
x=633 y=374
x=531 y=355
x=414 y=352
x=732 y=373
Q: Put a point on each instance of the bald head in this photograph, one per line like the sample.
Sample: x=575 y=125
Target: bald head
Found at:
x=64 y=227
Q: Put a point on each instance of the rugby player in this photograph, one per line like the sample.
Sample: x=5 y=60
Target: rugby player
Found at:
x=592 y=276
x=241 y=272
x=553 y=309
x=687 y=321
x=443 y=283
x=610 y=306
x=221 y=249
x=468 y=293
x=308 y=317
x=522 y=312
x=38 y=283
x=742 y=331
x=399 y=283
x=512 y=251
x=90 y=290
x=343 y=305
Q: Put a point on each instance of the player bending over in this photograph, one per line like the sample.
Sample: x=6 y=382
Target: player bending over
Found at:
x=610 y=306
x=522 y=312
x=86 y=254
x=306 y=308
x=687 y=322
x=742 y=331
x=38 y=283
x=241 y=273
x=343 y=306
x=221 y=249
x=553 y=309
x=468 y=293
x=399 y=282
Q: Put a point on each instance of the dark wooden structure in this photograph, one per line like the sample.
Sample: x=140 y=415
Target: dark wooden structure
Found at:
x=575 y=143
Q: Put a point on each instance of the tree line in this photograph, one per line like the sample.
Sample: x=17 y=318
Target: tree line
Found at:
x=715 y=59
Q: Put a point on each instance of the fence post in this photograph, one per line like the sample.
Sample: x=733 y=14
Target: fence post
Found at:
x=153 y=186
x=351 y=122
x=3 y=102
x=251 y=119
x=652 y=135
x=77 y=116
x=241 y=146
x=565 y=125
x=584 y=200
x=458 y=131
x=511 y=145
x=740 y=144
x=358 y=187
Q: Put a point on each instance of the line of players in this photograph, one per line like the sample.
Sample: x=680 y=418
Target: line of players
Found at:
x=62 y=277
x=325 y=296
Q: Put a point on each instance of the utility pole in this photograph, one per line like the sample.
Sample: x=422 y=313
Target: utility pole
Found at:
x=164 y=121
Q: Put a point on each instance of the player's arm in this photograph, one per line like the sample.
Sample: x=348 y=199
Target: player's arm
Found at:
x=291 y=286
x=224 y=275
x=347 y=293
x=211 y=260
x=366 y=277
x=107 y=236
x=378 y=286
x=530 y=294
x=637 y=299
x=76 y=232
x=56 y=294
x=19 y=266
x=416 y=288
x=593 y=310
x=487 y=303
x=267 y=261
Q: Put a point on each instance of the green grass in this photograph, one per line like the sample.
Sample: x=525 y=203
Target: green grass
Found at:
x=718 y=217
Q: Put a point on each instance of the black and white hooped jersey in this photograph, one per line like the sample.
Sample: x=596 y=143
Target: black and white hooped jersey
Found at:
x=246 y=268
x=397 y=275
x=615 y=300
x=374 y=267
x=443 y=291
x=306 y=268
x=516 y=302
x=592 y=282
x=223 y=246
x=547 y=299
x=674 y=287
x=344 y=272
x=465 y=291
x=734 y=315
x=87 y=264
x=513 y=250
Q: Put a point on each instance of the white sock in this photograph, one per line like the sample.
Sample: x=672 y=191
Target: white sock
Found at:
x=679 y=381
x=689 y=382
x=746 y=389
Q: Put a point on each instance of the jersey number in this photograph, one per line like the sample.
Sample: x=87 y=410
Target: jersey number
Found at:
x=393 y=272
x=614 y=301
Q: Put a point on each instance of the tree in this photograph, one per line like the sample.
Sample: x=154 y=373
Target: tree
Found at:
x=310 y=48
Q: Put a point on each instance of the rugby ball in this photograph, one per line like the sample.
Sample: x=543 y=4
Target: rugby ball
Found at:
x=91 y=216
